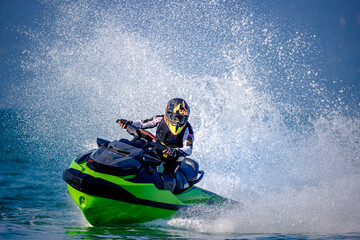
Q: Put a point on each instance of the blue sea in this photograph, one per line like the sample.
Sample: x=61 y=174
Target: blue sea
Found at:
x=274 y=92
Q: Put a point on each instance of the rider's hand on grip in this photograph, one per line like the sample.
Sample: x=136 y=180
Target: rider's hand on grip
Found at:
x=173 y=152
x=123 y=122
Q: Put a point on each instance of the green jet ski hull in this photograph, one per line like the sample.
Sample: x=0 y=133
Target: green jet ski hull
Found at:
x=106 y=199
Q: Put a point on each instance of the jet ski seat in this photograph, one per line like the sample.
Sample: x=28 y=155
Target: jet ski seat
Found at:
x=187 y=175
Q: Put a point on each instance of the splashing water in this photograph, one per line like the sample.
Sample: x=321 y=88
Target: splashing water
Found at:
x=268 y=132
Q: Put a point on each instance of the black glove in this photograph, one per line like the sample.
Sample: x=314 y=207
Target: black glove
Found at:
x=172 y=152
x=123 y=122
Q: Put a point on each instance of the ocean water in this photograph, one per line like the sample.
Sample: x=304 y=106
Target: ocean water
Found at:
x=274 y=108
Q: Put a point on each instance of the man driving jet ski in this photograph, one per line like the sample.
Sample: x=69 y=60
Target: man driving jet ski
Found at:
x=173 y=129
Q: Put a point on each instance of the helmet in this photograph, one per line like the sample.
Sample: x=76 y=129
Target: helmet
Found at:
x=176 y=114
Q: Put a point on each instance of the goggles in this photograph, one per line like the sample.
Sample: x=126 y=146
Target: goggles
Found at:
x=178 y=118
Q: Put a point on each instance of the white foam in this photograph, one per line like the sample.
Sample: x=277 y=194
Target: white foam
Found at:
x=268 y=133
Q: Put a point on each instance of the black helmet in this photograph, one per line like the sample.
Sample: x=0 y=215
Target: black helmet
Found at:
x=176 y=114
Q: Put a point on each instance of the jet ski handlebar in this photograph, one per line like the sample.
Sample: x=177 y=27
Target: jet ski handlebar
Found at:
x=141 y=133
x=151 y=139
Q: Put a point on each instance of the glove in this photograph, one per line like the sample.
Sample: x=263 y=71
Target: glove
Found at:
x=172 y=152
x=123 y=122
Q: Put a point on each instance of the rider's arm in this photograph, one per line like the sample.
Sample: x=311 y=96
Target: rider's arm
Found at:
x=148 y=123
x=188 y=140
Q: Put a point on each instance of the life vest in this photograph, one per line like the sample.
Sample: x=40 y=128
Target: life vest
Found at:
x=164 y=134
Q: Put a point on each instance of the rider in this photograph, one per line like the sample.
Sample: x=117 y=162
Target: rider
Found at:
x=173 y=129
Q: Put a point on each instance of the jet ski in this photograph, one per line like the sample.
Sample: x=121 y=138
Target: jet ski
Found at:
x=122 y=182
